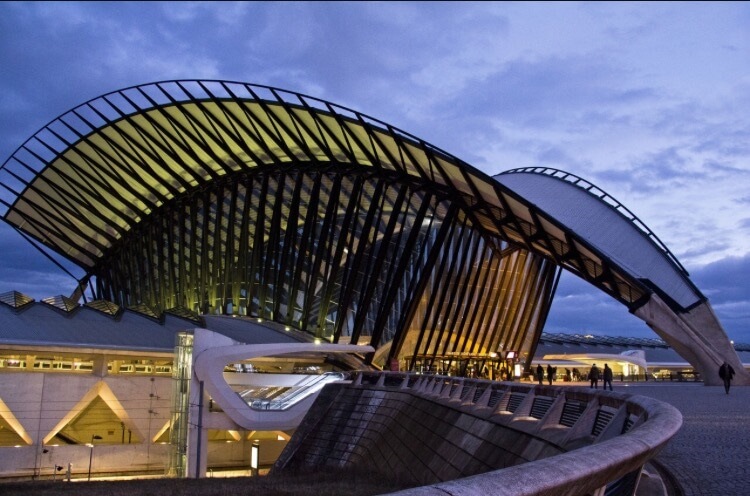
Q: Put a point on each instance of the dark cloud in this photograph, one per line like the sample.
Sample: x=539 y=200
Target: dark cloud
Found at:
x=27 y=270
x=719 y=281
x=723 y=282
x=726 y=286
x=581 y=308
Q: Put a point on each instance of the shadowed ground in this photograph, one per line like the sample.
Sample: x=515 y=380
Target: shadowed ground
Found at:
x=331 y=483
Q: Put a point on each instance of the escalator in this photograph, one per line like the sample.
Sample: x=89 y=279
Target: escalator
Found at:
x=283 y=398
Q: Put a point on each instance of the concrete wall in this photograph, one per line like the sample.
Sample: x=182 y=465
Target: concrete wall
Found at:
x=40 y=404
x=424 y=430
x=697 y=336
x=522 y=439
x=409 y=437
x=44 y=403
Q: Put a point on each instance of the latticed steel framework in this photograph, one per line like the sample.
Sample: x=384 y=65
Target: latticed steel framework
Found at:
x=219 y=197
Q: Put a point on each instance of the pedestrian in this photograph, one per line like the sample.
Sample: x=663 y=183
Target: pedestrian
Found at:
x=607 y=377
x=594 y=376
x=550 y=374
x=726 y=372
x=539 y=374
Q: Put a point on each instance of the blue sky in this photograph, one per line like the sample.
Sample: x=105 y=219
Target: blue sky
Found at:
x=649 y=101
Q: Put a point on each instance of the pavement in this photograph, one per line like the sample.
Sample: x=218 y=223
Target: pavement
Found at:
x=710 y=455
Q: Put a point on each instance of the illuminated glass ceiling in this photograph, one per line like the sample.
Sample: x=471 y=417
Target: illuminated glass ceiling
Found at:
x=87 y=178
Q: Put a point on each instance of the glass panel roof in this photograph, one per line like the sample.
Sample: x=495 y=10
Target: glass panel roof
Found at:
x=156 y=142
x=604 y=227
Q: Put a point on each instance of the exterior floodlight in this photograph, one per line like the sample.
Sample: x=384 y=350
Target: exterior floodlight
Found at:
x=254 y=456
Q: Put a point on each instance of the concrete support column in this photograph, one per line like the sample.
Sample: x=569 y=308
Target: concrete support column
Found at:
x=100 y=366
x=697 y=336
x=197 y=444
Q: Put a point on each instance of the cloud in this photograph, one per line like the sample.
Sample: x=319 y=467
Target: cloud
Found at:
x=603 y=314
x=28 y=271
x=722 y=282
x=719 y=282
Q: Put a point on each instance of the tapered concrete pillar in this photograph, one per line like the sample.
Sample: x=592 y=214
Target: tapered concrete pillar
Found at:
x=697 y=336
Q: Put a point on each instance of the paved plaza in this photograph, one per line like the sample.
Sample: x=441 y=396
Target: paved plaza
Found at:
x=710 y=455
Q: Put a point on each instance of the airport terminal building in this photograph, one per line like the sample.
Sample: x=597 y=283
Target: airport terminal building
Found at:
x=273 y=218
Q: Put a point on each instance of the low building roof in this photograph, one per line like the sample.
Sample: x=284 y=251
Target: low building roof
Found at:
x=576 y=347
x=42 y=324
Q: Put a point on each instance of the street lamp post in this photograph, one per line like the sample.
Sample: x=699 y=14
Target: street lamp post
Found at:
x=91 y=452
x=38 y=473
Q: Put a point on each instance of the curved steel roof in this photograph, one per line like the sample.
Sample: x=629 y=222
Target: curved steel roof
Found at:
x=87 y=178
x=90 y=175
x=606 y=224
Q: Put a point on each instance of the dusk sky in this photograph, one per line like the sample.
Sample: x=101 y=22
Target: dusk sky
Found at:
x=649 y=101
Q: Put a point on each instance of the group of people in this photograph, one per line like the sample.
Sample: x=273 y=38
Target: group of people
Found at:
x=594 y=375
x=551 y=374
x=726 y=373
x=605 y=375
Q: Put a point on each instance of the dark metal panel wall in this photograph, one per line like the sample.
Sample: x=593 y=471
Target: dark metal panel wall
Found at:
x=342 y=256
x=329 y=253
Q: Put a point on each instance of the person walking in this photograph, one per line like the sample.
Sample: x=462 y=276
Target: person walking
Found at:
x=594 y=376
x=726 y=372
x=607 y=377
x=550 y=374
x=539 y=374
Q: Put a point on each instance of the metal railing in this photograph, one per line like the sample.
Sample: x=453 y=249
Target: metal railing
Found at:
x=288 y=397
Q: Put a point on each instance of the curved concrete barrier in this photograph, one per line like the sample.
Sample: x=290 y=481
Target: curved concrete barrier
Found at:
x=209 y=363
x=473 y=437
